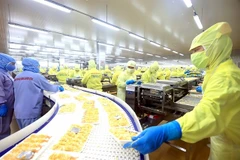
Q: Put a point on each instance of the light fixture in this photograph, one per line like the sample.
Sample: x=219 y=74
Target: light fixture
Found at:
x=26 y=28
x=106 y=45
x=136 y=36
x=149 y=54
x=139 y=52
x=132 y=58
x=164 y=57
x=197 y=20
x=188 y=3
x=121 y=57
x=181 y=54
x=54 y=5
x=125 y=49
x=175 y=52
x=105 y=24
x=166 y=48
x=76 y=38
x=155 y=44
x=33 y=47
x=14 y=50
x=140 y=59
x=15 y=46
x=50 y=50
x=158 y=56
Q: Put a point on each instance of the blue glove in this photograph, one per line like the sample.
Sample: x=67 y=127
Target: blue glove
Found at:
x=199 y=89
x=3 y=110
x=139 y=82
x=61 y=89
x=130 y=82
x=153 y=137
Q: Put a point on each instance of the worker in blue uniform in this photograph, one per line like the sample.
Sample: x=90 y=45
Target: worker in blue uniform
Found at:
x=28 y=88
x=7 y=64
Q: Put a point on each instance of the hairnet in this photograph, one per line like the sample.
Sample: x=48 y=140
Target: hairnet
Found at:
x=91 y=64
x=5 y=59
x=216 y=42
x=30 y=64
x=131 y=64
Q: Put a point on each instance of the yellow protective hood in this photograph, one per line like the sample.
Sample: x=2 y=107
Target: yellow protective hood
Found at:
x=91 y=64
x=216 y=42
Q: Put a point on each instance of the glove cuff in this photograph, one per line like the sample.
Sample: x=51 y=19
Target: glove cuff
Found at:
x=174 y=131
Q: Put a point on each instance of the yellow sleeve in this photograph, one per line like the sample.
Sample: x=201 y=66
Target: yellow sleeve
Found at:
x=214 y=112
x=86 y=77
x=115 y=77
x=121 y=82
x=145 y=78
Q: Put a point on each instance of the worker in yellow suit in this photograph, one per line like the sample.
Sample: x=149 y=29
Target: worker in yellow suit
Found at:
x=107 y=71
x=160 y=74
x=167 y=73
x=218 y=113
x=138 y=71
x=62 y=75
x=93 y=77
x=52 y=71
x=77 y=72
x=150 y=76
x=117 y=72
x=127 y=77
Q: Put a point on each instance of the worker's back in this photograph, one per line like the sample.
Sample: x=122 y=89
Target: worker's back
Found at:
x=92 y=79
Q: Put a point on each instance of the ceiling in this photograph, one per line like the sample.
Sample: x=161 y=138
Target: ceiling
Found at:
x=167 y=22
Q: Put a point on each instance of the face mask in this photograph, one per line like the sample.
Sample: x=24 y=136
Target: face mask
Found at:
x=130 y=71
x=10 y=67
x=200 y=60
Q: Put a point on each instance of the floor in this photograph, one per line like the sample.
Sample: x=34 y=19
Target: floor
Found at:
x=197 y=151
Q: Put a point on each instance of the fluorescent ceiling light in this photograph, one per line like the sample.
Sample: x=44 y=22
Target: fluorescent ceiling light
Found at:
x=103 y=44
x=26 y=28
x=149 y=54
x=50 y=50
x=14 y=50
x=126 y=49
x=139 y=52
x=39 y=41
x=121 y=57
x=155 y=44
x=33 y=47
x=175 y=52
x=140 y=59
x=166 y=48
x=132 y=58
x=158 y=56
x=188 y=3
x=181 y=54
x=54 y=5
x=18 y=39
x=105 y=24
x=136 y=36
x=16 y=46
x=164 y=57
x=76 y=38
x=197 y=21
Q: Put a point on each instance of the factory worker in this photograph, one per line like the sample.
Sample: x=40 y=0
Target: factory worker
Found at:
x=150 y=76
x=28 y=88
x=167 y=73
x=160 y=74
x=126 y=78
x=7 y=64
x=77 y=72
x=143 y=70
x=218 y=113
x=93 y=77
x=117 y=72
x=62 y=75
x=52 y=71
x=138 y=71
x=107 y=71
